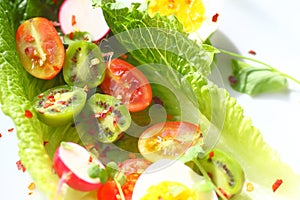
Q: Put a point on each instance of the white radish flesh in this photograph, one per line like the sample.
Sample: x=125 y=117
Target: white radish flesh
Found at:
x=71 y=163
x=80 y=15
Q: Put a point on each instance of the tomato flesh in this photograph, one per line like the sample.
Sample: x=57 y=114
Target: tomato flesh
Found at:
x=108 y=191
x=127 y=83
x=168 y=140
x=40 y=48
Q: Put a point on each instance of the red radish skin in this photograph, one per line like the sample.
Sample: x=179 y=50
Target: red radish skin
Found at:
x=71 y=163
x=79 y=15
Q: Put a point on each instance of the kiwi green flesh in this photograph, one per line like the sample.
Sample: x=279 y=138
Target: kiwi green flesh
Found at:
x=67 y=103
x=226 y=173
x=84 y=65
x=105 y=118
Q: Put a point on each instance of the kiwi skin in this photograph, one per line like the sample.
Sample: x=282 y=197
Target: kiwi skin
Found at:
x=225 y=172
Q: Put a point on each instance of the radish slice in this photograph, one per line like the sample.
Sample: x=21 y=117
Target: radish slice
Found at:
x=79 y=15
x=71 y=163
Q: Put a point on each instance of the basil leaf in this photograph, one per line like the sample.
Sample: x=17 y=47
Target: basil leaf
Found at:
x=255 y=80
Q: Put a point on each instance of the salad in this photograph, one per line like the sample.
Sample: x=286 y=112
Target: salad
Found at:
x=202 y=98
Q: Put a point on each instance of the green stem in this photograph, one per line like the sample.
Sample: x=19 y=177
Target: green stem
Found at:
x=204 y=173
x=259 y=62
x=120 y=189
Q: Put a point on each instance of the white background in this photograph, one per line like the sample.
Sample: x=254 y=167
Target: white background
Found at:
x=269 y=27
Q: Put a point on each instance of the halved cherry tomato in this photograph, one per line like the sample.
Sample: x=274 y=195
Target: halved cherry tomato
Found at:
x=127 y=83
x=128 y=187
x=135 y=165
x=40 y=48
x=108 y=191
x=132 y=169
x=168 y=140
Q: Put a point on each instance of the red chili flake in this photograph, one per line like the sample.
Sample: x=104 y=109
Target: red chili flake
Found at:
x=10 y=130
x=51 y=98
x=0 y=135
x=56 y=68
x=90 y=159
x=45 y=143
x=71 y=35
x=232 y=80
x=62 y=102
x=224 y=193
x=54 y=23
x=30 y=193
x=252 y=52
x=169 y=116
x=47 y=105
x=41 y=96
x=215 y=17
x=73 y=20
x=115 y=121
x=20 y=166
x=123 y=56
x=28 y=114
x=188 y=2
x=211 y=155
x=89 y=147
x=276 y=185
x=31 y=186
x=29 y=38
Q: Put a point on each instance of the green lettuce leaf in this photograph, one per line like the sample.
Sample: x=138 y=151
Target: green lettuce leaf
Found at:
x=16 y=91
x=157 y=39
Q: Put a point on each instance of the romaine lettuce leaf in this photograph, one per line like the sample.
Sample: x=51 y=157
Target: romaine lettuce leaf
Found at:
x=16 y=91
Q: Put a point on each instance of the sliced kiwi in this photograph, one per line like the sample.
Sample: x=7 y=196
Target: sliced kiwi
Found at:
x=84 y=65
x=103 y=119
x=225 y=172
x=59 y=105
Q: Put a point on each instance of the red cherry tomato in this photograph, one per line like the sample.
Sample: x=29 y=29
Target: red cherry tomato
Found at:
x=40 y=48
x=108 y=191
x=127 y=83
x=168 y=140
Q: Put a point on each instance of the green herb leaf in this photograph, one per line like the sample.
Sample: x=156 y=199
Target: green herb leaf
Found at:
x=94 y=171
x=192 y=152
x=103 y=175
x=255 y=80
x=112 y=169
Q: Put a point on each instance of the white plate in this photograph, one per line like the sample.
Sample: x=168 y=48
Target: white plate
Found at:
x=269 y=27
